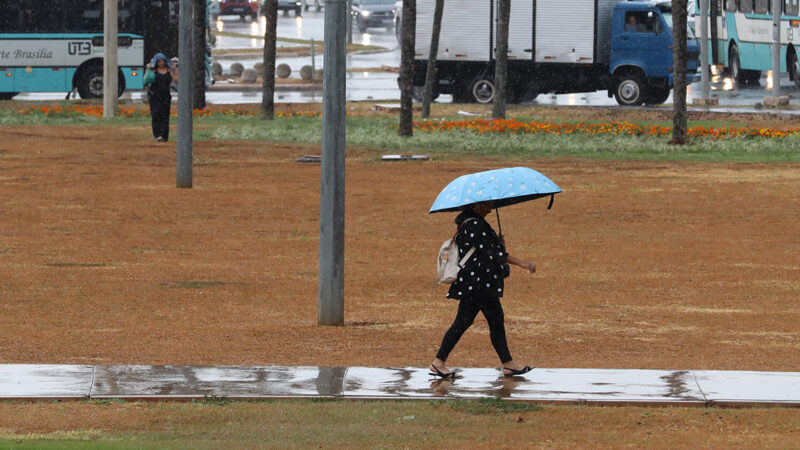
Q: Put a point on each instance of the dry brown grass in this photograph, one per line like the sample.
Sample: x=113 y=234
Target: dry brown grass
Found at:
x=391 y=424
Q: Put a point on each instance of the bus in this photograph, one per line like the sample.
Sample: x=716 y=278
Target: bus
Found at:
x=57 y=45
x=740 y=37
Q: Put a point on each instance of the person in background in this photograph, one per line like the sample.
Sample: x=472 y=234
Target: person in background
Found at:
x=157 y=78
x=631 y=24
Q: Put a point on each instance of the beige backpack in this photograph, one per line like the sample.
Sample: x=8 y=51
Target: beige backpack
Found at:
x=447 y=263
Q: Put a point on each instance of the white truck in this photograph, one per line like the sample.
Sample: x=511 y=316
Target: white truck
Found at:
x=553 y=46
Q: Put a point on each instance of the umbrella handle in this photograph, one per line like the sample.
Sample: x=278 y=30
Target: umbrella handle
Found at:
x=499 y=228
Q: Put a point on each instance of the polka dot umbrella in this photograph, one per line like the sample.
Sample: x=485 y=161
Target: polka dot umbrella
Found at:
x=502 y=187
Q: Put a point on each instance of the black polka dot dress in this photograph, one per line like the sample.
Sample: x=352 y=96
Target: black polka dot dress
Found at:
x=483 y=272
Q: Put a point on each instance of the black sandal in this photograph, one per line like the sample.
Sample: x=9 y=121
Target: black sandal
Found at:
x=515 y=372
x=440 y=374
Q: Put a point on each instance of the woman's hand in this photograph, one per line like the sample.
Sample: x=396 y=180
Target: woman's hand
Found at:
x=527 y=265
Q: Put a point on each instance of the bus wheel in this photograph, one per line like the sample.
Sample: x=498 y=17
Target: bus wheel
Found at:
x=7 y=95
x=90 y=85
x=794 y=69
x=735 y=66
x=629 y=90
x=482 y=90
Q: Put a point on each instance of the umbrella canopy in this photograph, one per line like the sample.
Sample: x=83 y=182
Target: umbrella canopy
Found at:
x=502 y=187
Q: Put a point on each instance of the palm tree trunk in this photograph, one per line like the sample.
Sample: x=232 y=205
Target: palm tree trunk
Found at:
x=430 y=72
x=408 y=30
x=501 y=60
x=268 y=83
x=679 y=120
x=200 y=26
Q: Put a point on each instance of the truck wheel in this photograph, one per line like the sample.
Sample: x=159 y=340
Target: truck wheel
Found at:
x=418 y=92
x=657 y=96
x=482 y=90
x=630 y=90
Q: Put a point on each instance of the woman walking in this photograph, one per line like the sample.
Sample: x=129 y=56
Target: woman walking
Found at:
x=158 y=76
x=479 y=287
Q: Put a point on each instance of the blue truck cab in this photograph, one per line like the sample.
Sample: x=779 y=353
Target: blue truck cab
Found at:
x=640 y=65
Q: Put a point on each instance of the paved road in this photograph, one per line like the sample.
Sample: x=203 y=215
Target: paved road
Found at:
x=383 y=86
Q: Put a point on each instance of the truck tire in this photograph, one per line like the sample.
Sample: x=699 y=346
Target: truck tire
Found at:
x=657 y=96
x=417 y=93
x=630 y=90
x=482 y=90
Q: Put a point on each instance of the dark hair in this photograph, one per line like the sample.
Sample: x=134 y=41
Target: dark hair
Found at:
x=466 y=213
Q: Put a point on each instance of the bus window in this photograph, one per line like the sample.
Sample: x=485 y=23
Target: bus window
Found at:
x=790 y=7
x=746 y=6
x=761 y=6
x=85 y=16
x=9 y=18
x=730 y=5
x=129 y=19
x=39 y=16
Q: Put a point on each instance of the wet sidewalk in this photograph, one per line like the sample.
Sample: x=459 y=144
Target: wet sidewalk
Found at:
x=567 y=386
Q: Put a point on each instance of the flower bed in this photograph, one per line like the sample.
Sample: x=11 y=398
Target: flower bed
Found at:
x=509 y=126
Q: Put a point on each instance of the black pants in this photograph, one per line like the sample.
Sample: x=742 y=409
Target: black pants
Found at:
x=159 y=110
x=467 y=311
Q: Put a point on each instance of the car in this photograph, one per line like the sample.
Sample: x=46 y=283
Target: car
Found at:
x=372 y=13
x=286 y=6
x=317 y=4
x=241 y=8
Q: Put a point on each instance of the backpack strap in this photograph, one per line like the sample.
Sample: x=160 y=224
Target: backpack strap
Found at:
x=466 y=257
x=470 y=251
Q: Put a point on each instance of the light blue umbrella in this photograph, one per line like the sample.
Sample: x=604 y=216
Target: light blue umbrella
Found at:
x=502 y=187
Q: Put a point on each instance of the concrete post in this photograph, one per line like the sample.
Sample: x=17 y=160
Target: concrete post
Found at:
x=704 y=69
x=331 y=220
x=313 y=61
x=349 y=21
x=183 y=166
x=110 y=63
x=776 y=47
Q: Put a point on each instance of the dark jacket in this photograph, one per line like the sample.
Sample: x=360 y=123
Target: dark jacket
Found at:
x=484 y=271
